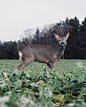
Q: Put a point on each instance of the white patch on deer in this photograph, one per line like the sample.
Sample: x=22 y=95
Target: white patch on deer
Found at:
x=20 y=55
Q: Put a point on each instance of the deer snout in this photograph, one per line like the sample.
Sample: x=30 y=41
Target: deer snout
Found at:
x=63 y=43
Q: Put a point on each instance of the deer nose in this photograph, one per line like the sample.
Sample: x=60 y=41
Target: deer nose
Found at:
x=62 y=43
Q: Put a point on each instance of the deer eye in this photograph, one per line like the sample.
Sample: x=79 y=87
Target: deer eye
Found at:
x=59 y=40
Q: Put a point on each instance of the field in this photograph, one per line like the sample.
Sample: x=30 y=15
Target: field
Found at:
x=36 y=88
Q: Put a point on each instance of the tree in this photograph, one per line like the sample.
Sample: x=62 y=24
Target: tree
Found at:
x=73 y=42
x=37 y=35
x=1 y=50
x=82 y=40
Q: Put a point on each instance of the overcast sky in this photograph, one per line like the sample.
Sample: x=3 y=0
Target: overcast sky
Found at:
x=18 y=15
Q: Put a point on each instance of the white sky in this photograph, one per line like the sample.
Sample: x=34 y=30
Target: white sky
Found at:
x=19 y=15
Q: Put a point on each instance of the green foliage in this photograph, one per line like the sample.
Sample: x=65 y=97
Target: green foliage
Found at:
x=36 y=88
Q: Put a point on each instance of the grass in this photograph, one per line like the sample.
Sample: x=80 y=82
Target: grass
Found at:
x=66 y=84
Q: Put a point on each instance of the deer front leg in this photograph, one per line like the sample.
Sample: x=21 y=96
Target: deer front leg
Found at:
x=50 y=66
x=47 y=67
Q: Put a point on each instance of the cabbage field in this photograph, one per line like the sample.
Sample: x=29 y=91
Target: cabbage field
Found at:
x=63 y=86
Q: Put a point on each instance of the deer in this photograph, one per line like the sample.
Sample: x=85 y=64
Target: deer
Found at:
x=49 y=54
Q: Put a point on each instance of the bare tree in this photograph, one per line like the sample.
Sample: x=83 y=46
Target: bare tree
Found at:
x=26 y=38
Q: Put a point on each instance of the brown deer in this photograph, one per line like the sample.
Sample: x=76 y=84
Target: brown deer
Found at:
x=49 y=54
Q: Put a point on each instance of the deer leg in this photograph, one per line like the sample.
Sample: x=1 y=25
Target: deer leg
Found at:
x=20 y=65
x=24 y=64
x=47 y=67
x=50 y=66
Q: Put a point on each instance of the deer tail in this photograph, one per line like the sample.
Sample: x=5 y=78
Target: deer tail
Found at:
x=20 y=55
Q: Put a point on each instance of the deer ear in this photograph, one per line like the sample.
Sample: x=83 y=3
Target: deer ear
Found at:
x=67 y=36
x=56 y=36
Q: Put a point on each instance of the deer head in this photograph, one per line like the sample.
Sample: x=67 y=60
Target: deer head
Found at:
x=62 y=40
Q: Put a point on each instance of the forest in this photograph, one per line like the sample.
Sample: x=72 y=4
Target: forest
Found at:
x=76 y=45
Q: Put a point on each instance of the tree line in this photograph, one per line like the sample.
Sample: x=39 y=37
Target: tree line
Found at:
x=76 y=46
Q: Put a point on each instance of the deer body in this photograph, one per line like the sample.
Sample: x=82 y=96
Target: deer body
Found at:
x=49 y=54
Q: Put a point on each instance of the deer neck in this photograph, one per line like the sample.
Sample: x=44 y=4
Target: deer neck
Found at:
x=61 y=49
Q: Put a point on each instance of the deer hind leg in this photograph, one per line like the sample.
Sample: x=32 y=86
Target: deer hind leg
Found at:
x=20 y=67
x=24 y=64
